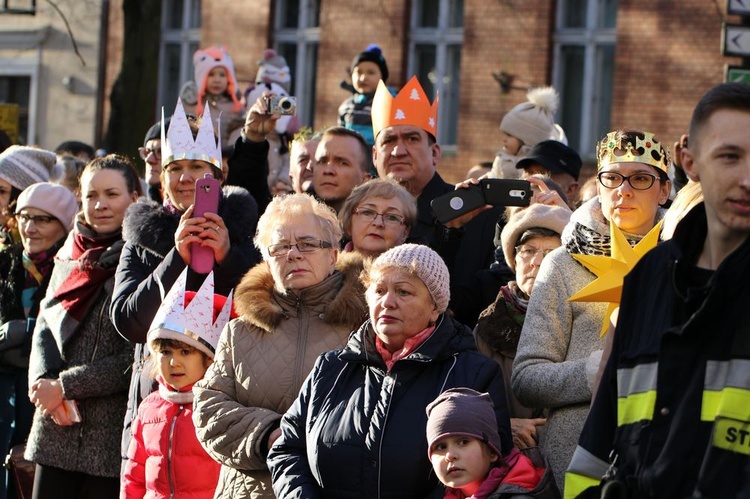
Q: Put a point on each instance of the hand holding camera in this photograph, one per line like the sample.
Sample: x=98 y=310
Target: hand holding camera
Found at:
x=264 y=113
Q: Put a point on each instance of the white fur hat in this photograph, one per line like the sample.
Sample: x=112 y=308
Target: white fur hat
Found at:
x=533 y=121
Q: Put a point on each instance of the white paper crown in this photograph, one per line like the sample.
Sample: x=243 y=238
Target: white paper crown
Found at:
x=178 y=143
x=195 y=323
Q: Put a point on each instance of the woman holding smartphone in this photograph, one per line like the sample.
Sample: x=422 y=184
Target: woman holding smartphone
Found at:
x=159 y=239
x=78 y=365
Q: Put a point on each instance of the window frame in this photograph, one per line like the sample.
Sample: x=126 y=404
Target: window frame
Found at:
x=25 y=67
x=185 y=37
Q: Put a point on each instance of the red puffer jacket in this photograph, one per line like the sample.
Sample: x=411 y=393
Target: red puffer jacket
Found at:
x=165 y=458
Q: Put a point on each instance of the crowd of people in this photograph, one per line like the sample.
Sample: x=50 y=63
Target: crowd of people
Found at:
x=345 y=342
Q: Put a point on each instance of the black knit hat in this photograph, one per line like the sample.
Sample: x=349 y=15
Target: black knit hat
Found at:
x=373 y=54
x=463 y=411
x=154 y=133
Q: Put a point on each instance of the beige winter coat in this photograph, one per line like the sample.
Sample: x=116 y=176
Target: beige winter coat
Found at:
x=261 y=362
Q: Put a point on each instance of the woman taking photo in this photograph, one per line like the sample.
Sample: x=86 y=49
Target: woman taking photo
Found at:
x=78 y=375
x=561 y=345
x=357 y=428
x=377 y=216
x=303 y=300
x=159 y=238
x=25 y=270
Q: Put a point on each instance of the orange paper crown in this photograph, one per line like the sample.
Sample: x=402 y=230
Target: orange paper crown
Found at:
x=410 y=107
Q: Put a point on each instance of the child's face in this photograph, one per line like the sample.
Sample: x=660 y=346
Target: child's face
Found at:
x=217 y=81
x=181 y=367
x=461 y=462
x=366 y=76
x=511 y=144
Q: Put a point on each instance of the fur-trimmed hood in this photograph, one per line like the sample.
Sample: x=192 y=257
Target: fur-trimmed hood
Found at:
x=340 y=297
x=151 y=226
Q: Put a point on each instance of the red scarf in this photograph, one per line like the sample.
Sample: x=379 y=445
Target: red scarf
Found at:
x=81 y=287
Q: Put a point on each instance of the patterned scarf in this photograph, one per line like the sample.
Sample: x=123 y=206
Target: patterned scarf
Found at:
x=38 y=268
x=516 y=301
x=97 y=258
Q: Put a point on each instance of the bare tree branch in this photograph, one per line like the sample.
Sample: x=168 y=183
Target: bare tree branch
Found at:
x=70 y=32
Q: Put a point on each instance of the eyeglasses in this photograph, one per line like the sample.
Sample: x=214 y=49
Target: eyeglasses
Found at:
x=388 y=218
x=39 y=220
x=638 y=181
x=145 y=152
x=306 y=246
x=528 y=253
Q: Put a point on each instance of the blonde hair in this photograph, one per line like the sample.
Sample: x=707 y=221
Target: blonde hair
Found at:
x=385 y=188
x=684 y=201
x=282 y=208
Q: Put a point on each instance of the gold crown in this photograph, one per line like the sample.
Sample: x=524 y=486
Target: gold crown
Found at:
x=618 y=147
x=410 y=107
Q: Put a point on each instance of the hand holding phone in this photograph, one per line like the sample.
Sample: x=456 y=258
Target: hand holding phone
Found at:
x=492 y=191
x=207 y=191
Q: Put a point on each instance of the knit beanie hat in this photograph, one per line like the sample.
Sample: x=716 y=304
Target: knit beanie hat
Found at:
x=22 y=166
x=204 y=61
x=154 y=133
x=533 y=121
x=372 y=54
x=55 y=199
x=466 y=412
x=274 y=69
x=425 y=264
x=536 y=216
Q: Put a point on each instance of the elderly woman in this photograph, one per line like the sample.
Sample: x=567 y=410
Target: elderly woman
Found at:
x=78 y=369
x=357 y=428
x=377 y=216
x=561 y=346
x=25 y=270
x=159 y=240
x=527 y=238
x=302 y=301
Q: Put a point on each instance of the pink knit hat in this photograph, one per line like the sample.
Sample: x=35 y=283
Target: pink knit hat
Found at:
x=55 y=199
x=204 y=61
x=426 y=264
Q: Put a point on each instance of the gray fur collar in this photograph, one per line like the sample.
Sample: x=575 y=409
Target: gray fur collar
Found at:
x=151 y=226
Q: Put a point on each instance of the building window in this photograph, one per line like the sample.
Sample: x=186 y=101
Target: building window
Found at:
x=14 y=116
x=181 y=35
x=584 y=57
x=296 y=38
x=436 y=38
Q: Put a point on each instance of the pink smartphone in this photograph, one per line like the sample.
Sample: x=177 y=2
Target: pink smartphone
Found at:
x=207 y=191
x=71 y=409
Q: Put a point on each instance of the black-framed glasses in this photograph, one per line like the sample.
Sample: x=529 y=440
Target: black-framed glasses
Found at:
x=388 y=218
x=528 y=253
x=638 y=181
x=306 y=246
x=145 y=152
x=39 y=220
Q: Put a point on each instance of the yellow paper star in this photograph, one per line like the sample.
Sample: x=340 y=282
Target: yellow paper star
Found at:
x=611 y=270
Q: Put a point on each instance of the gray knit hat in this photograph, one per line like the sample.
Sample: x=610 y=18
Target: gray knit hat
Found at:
x=22 y=166
x=463 y=411
x=425 y=264
x=537 y=215
x=55 y=199
x=533 y=121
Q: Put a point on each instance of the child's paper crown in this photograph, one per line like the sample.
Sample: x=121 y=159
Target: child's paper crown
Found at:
x=410 y=107
x=197 y=321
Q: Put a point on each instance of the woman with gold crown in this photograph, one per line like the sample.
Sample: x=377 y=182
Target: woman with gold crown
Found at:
x=159 y=238
x=561 y=346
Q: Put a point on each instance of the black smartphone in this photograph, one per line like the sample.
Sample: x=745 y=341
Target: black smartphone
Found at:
x=506 y=192
x=456 y=203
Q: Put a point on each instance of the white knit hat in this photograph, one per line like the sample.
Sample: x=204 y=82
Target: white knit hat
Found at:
x=22 y=166
x=533 y=121
x=426 y=264
x=536 y=216
x=55 y=199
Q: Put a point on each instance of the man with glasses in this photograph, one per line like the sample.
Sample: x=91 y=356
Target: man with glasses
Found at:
x=151 y=154
x=671 y=417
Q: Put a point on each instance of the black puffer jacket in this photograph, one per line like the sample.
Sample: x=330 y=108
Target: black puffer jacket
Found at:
x=358 y=430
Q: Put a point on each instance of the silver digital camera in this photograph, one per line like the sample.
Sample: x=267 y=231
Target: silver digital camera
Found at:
x=280 y=104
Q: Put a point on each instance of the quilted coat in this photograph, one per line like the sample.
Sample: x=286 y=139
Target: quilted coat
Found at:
x=261 y=361
x=357 y=429
x=165 y=458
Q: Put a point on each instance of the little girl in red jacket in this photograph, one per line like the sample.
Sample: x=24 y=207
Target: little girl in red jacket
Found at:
x=165 y=458
x=464 y=449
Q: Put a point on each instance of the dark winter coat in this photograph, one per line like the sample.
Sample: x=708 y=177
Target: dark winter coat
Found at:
x=358 y=430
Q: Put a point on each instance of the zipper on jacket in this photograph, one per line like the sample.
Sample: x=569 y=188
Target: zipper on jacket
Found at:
x=170 y=463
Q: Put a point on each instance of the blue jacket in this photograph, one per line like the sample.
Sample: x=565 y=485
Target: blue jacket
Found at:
x=358 y=430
